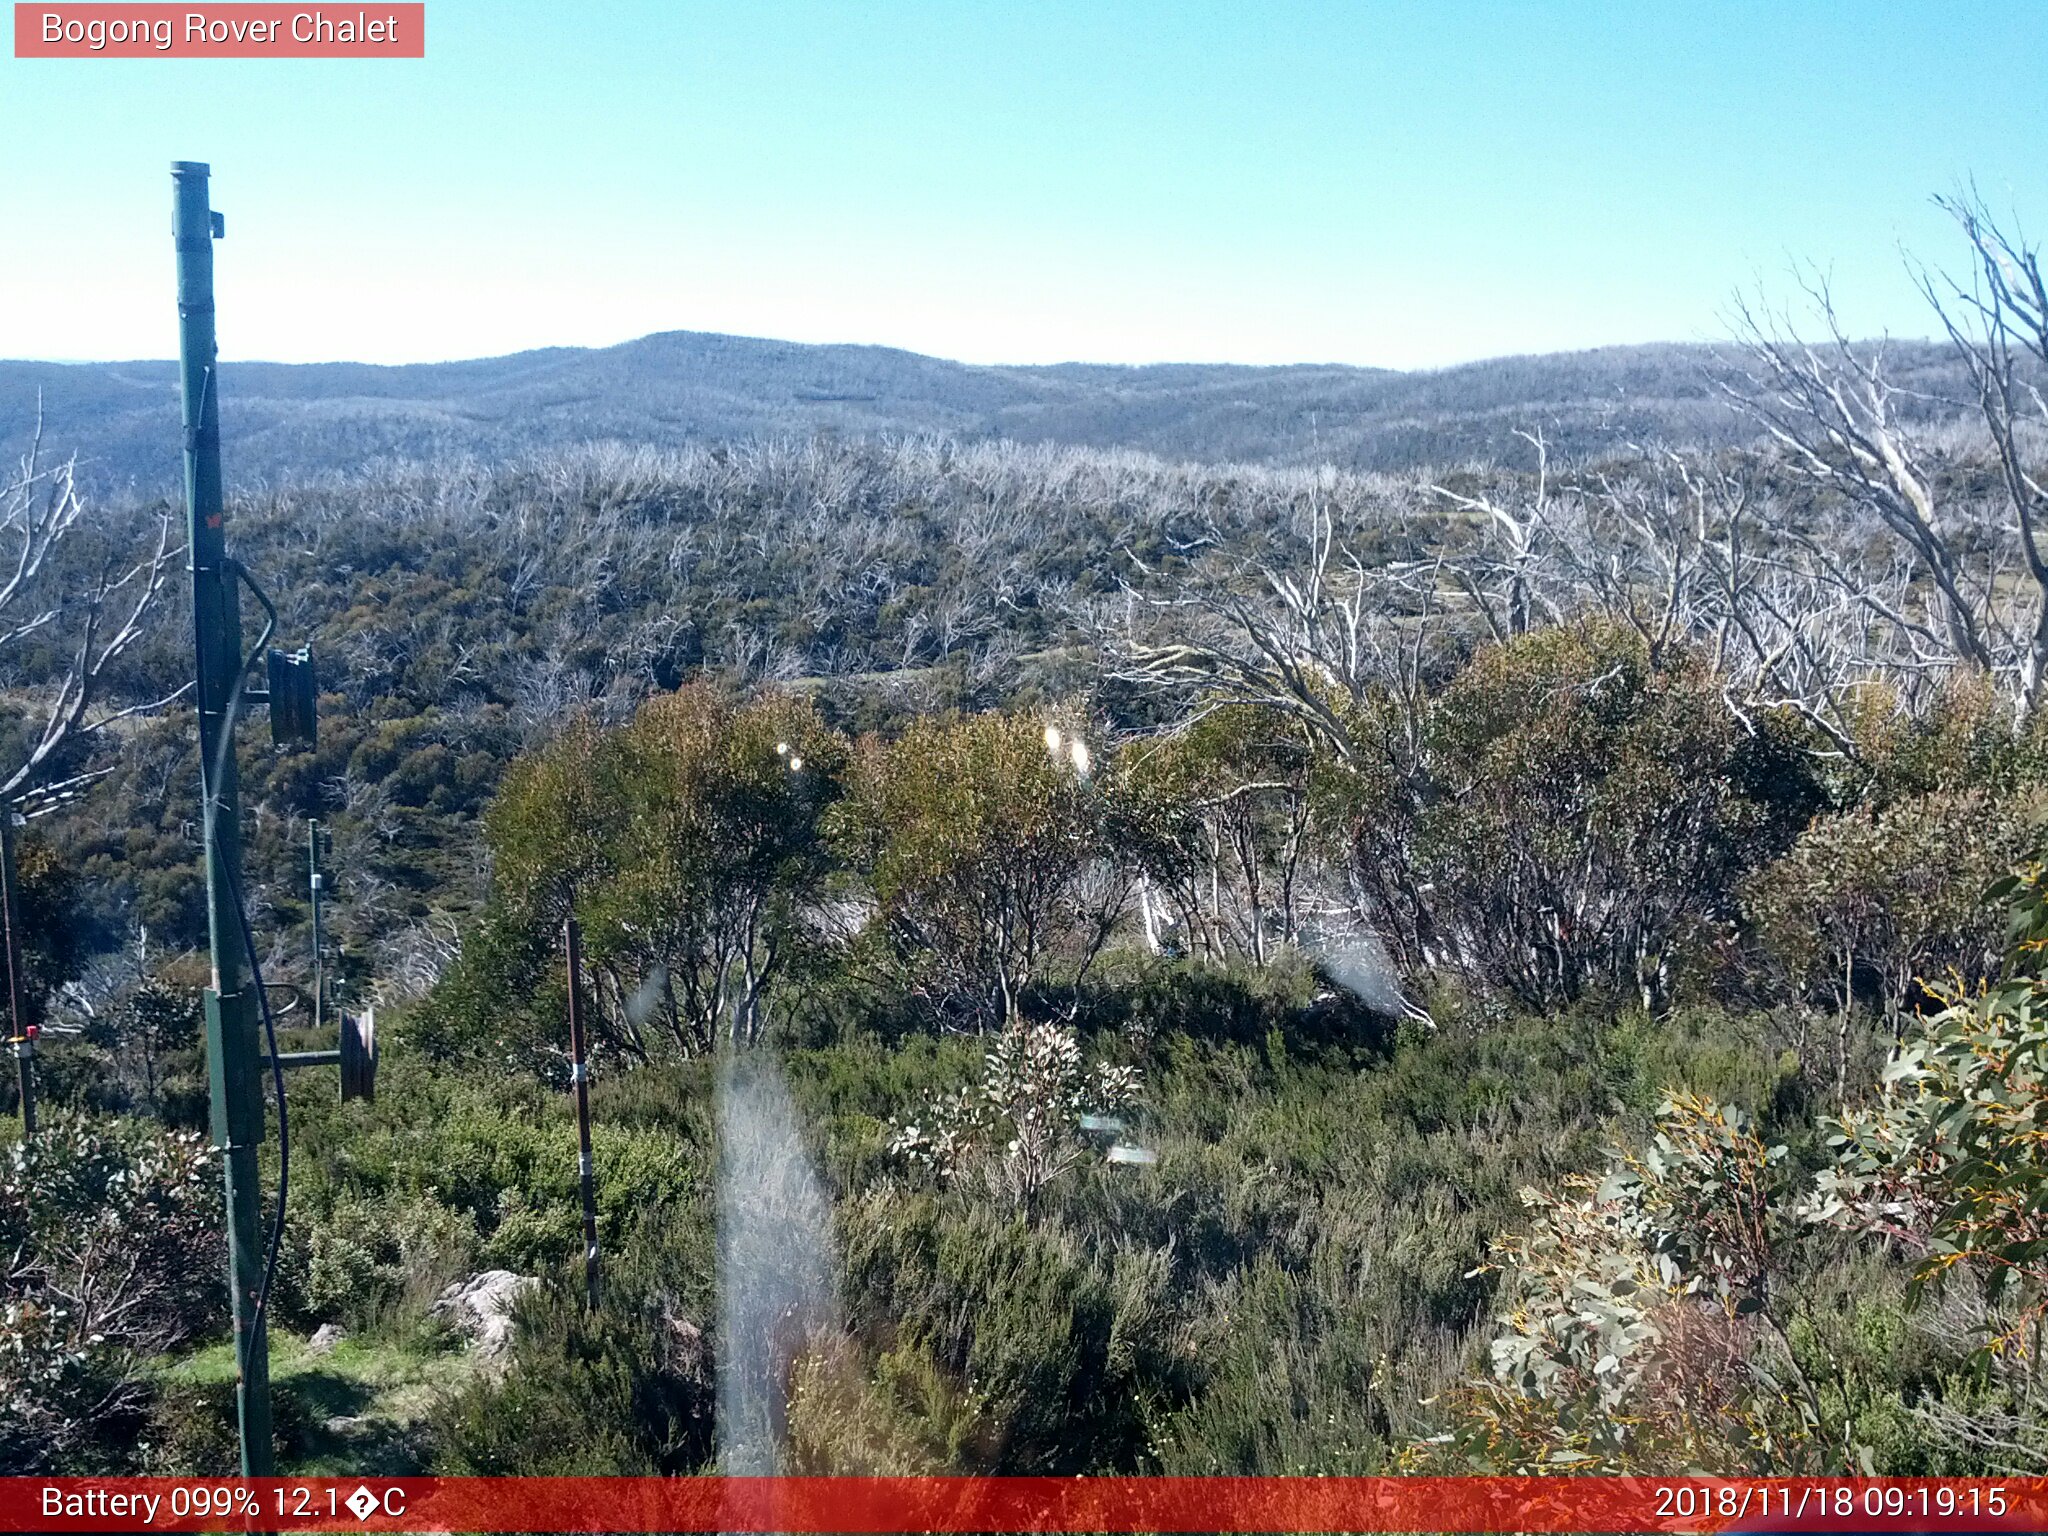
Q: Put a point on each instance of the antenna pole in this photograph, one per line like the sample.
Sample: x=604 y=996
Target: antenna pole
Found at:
x=579 y=1081
x=233 y=1052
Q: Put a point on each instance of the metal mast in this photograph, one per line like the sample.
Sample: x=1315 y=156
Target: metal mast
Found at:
x=233 y=1051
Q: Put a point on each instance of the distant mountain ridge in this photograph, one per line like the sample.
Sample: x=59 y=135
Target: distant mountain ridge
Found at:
x=284 y=420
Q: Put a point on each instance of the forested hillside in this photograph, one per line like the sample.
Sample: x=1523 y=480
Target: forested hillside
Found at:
x=683 y=388
x=1097 y=961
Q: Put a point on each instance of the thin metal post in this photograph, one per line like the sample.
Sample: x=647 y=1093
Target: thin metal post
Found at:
x=579 y=1081
x=233 y=1052
x=316 y=881
x=17 y=1015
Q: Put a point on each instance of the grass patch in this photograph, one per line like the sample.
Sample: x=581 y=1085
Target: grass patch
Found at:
x=361 y=1407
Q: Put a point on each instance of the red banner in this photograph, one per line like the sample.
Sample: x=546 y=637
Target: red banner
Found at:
x=995 y=1504
x=236 y=31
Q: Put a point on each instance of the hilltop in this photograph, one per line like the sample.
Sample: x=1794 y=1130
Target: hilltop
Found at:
x=287 y=420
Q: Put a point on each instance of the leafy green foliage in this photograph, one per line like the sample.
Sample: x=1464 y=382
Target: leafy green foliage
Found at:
x=1876 y=898
x=1664 y=1311
x=1021 y=1127
x=1950 y=1160
x=367 y=1257
x=1230 y=814
x=687 y=844
x=1640 y=1337
x=1582 y=825
x=623 y=1391
x=978 y=839
x=112 y=1235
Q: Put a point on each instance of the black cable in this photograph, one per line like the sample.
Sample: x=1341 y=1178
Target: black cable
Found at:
x=284 y=1130
x=208 y=786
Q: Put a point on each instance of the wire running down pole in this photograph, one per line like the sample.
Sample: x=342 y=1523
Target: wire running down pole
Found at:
x=233 y=1050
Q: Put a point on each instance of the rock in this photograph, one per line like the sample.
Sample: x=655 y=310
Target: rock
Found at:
x=688 y=1355
x=481 y=1307
x=344 y=1425
x=325 y=1337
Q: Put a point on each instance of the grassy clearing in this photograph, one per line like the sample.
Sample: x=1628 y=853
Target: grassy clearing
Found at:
x=360 y=1408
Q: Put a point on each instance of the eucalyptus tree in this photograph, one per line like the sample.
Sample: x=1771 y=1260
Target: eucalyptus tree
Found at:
x=687 y=843
x=985 y=844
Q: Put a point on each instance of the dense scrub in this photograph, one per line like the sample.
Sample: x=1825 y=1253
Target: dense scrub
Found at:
x=949 y=940
x=1435 y=986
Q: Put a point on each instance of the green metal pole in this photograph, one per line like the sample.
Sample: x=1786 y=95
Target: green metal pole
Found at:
x=233 y=1051
x=316 y=882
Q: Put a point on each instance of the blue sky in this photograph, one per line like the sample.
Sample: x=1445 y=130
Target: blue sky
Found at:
x=1403 y=185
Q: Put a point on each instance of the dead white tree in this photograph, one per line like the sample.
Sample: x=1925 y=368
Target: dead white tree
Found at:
x=1685 y=549
x=1345 y=648
x=1973 y=591
x=1998 y=322
x=1682 y=549
x=1507 y=574
x=97 y=616
x=1834 y=409
x=1310 y=639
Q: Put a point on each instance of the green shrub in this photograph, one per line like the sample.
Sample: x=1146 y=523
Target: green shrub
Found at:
x=1059 y=1346
x=1870 y=900
x=978 y=844
x=1582 y=827
x=624 y=1391
x=1286 y=1386
x=193 y=1432
x=112 y=1228
x=1964 y=738
x=367 y=1257
x=1949 y=1162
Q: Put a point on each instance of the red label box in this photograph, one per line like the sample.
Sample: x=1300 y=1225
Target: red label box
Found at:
x=1663 y=1506
x=104 y=30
